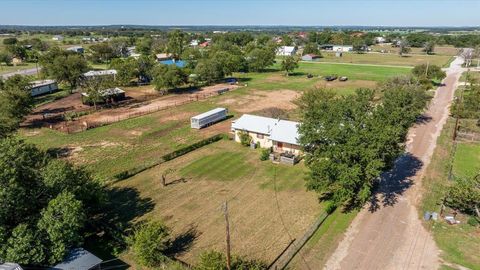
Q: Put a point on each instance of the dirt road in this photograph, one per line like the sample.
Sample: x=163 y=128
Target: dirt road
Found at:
x=388 y=233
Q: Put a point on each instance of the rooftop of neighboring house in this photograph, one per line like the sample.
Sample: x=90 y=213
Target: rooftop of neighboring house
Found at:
x=41 y=83
x=100 y=72
x=78 y=258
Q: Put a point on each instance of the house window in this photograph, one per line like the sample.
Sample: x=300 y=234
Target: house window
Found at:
x=259 y=136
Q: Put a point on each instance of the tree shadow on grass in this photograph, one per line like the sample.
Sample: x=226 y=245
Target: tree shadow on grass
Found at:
x=394 y=183
x=121 y=208
x=183 y=242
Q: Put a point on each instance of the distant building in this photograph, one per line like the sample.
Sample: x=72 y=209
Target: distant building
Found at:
x=337 y=48
x=194 y=43
x=57 y=38
x=43 y=87
x=380 y=40
x=204 y=44
x=286 y=50
x=310 y=57
x=108 y=96
x=79 y=259
x=163 y=56
x=96 y=73
x=77 y=49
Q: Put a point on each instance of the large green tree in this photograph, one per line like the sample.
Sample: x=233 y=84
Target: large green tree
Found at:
x=350 y=140
x=288 y=64
x=44 y=204
x=168 y=77
x=176 y=43
x=65 y=67
x=149 y=243
x=15 y=102
x=464 y=195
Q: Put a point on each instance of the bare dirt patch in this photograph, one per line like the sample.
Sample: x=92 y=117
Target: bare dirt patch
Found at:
x=260 y=100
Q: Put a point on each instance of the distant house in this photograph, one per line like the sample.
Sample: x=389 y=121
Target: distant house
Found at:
x=380 y=40
x=108 y=96
x=97 y=73
x=77 y=49
x=281 y=135
x=194 y=43
x=337 y=48
x=57 y=38
x=286 y=50
x=163 y=56
x=77 y=259
x=310 y=57
x=10 y=266
x=204 y=44
x=43 y=87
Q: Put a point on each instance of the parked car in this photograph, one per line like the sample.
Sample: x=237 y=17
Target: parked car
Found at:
x=309 y=75
x=343 y=79
x=330 y=78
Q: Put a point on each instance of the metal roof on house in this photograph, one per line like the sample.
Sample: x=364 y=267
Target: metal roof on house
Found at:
x=285 y=131
x=286 y=49
x=100 y=72
x=10 y=266
x=39 y=83
x=76 y=259
x=206 y=114
x=254 y=123
x=278 y=130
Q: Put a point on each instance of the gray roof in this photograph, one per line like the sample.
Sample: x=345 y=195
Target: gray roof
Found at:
x=206 y=114
x=10 y=266
x=42 y=83
x=100 y=72
x=278 y=130
x=78 y=258
x=107 y=92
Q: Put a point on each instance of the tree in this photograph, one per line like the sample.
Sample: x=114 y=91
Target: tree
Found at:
x=176 y=43
x=65 y=67
x=61 y=221
x=260 y=58
x=10 y=41
x=95 y=87
x=24 y=246
x=6 y=58
x=144 y=46
x=289 y=63
x=245 y=138
x=17 y=51
x=15 y=102
x=404 y=47
x=168 y=77
x=215 y=260
x=101 y=52
x=429 y=47
x=429 y=72
x=311 y=48
x=149 y=243
x=358 y=45
x=464 y=195
x=349 y=141
x=127 y=70
x=44 y=204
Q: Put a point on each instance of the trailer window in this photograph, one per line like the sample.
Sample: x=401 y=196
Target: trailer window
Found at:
x=259 y=136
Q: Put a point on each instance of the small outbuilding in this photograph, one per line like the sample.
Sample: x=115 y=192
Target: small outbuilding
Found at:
x=286 y=51
x=108 y=96
x=208 y=118
x=98 y=73
x=77 y=259
x=43 y=87
x=77 y=49
x=310 y=57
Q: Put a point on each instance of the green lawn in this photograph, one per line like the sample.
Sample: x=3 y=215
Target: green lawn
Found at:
x=44 y=99
x=8 y=69
x=467 y=160
x=459 y=244
x=385 y=59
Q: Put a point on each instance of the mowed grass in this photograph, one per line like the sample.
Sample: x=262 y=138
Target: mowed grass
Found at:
x=467 y=160
x=385 y=59
x=460 y=243
x=8 y=69
x=204 y=179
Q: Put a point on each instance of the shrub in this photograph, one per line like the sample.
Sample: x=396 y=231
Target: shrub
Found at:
x=473 y=221
x=149 y=243
x=330 y=207
x=265 y=154
x=245 y=139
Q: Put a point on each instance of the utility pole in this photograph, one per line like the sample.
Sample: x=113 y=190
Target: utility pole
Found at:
x=227 y=230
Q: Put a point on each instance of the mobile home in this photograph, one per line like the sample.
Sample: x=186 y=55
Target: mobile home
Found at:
x=43 y=87
x=208 y=118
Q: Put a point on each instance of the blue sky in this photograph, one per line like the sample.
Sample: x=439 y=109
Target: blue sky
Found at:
x=238 y=12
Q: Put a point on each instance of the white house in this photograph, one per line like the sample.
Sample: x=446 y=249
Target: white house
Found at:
x=77 y=49
x=380 y=40
x=281 y=135
x=57 y=38
x=95 y=73
x=43 y=87
x=342 y=48
x=286 y=51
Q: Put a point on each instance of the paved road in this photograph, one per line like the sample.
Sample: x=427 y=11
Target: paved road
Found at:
x=30 y=71
x=387 y=233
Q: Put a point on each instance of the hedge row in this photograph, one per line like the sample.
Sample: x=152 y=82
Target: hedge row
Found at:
x=167 y=157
